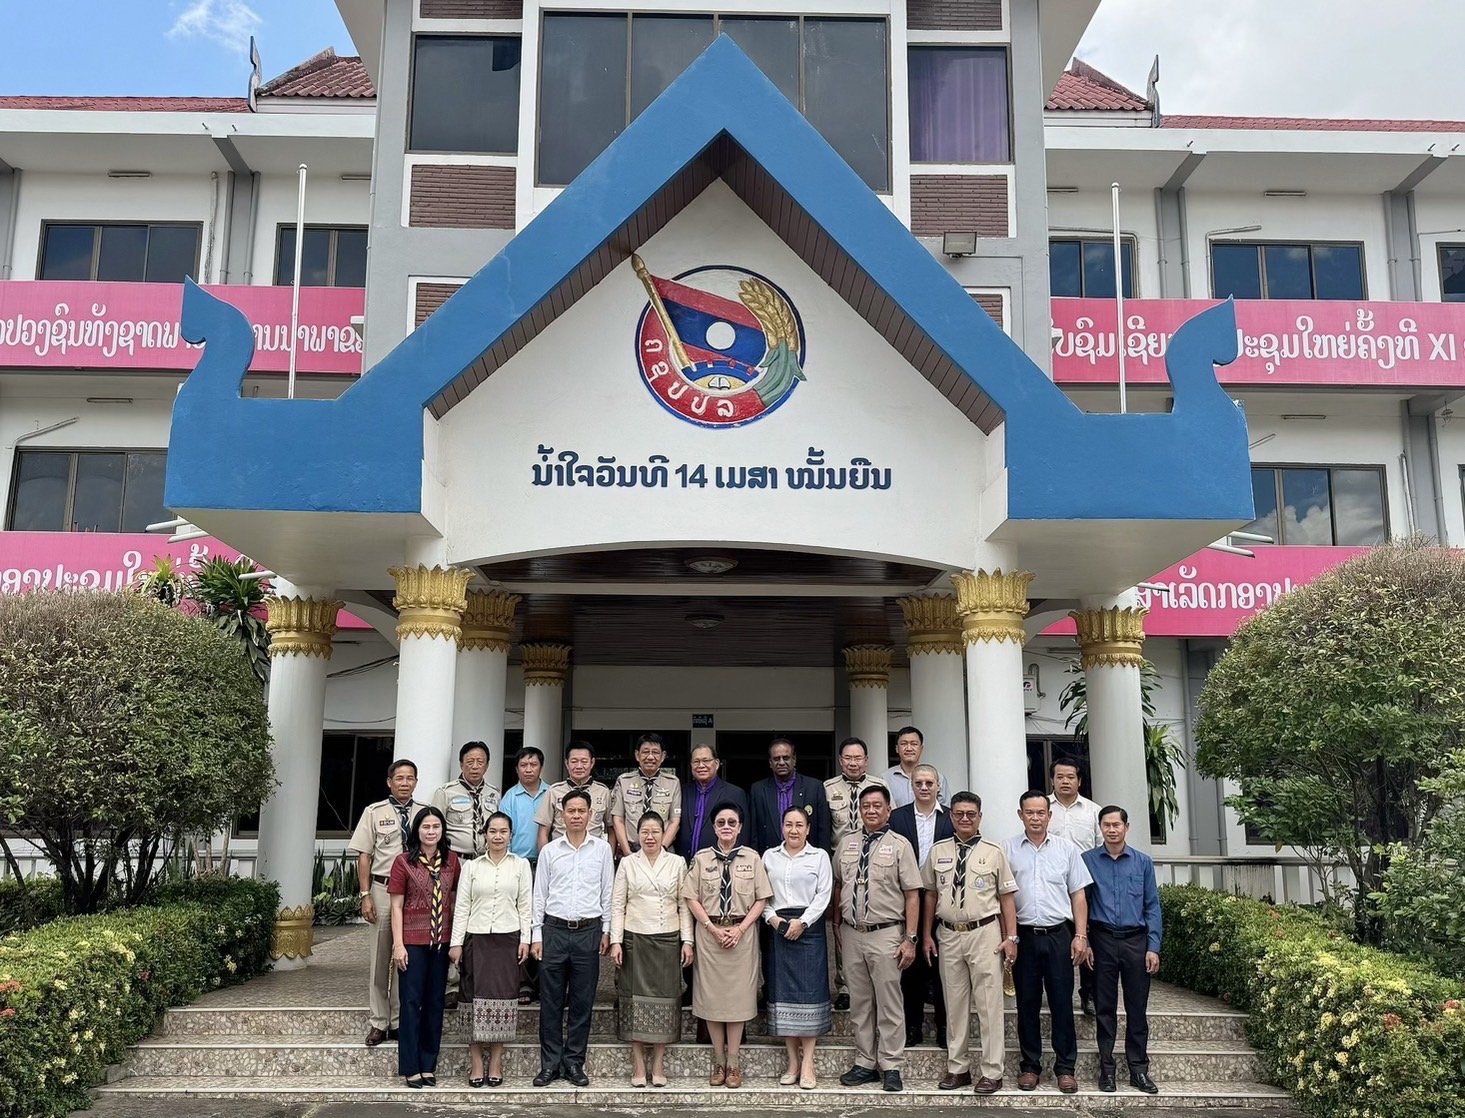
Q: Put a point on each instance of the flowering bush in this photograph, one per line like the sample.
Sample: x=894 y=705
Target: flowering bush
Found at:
x=1352 y=1032
x=76 y=992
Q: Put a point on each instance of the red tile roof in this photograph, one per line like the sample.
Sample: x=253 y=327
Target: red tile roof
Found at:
x=324 y=75
x=1311 y=124
x=131 y=104
x=1084 y=88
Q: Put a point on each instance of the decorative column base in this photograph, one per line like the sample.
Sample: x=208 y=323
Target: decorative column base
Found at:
x=294 y=935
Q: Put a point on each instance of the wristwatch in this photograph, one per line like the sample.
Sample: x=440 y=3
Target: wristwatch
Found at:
x=1011 y=939
x=911 y=936
x=366 y=892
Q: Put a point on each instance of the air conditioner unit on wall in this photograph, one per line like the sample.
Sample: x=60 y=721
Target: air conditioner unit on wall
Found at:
x=1031 y=699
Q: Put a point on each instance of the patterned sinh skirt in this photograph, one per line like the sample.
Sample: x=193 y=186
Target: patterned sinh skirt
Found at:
x=649 y=989
x=489 y=983
x=798 y=982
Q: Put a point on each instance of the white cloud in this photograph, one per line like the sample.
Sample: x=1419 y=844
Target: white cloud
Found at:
x=229 y=23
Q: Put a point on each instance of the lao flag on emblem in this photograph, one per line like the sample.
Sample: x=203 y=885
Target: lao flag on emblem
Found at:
x=712 y=328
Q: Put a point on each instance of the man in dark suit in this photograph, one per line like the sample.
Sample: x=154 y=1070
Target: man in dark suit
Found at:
x=922 y=824
x=786 y=788
x=701 y=797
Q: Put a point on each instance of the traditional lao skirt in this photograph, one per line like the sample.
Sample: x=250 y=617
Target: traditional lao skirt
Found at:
x=649 y=989
x=489 y=982
x=798 y=982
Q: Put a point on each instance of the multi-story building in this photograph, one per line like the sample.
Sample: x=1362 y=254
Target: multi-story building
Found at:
x=465 y=120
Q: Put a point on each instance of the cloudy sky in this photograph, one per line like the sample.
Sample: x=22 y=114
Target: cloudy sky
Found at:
x=1275 y=57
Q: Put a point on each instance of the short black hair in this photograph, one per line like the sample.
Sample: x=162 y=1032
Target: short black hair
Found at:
x=576 y=794
x=728 y=805
x=653 y=816
x=1032 y=794
x=651 y=739
x=873 y=790
x=782 y=741
x=1110 y=809
x=469 y=746
x=499 y=815
x=529 y=751
x=401 y=763
x=1074 y=763
x=574 y=745
x=707 y=745
x=910 y=730
x=967 y=798
x=865 y=749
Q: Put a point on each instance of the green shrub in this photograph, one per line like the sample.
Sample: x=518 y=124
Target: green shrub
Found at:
x=24 y=905
x=76 y=992
x=1351 y=1031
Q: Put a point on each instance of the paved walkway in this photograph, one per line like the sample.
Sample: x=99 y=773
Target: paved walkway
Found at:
x=116 y=1107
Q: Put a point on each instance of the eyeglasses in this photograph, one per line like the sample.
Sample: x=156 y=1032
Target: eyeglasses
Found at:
x=725 y=823
x=966 y=815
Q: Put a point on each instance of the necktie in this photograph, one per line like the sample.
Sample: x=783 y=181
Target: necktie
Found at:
x=724 y=888
x=404 y=820
x=435 y=871
x=958 y=893
x=862 y=881
x=854 y=803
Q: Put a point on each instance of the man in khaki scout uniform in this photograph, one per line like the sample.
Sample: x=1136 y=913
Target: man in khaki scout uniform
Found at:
x=379 y=837
x=550 y=816
x=650 y=788
x=877 y=886
x=843 y=793
x=466 y=803
x=969 y=924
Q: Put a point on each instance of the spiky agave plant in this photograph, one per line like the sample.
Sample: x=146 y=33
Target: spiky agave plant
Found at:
x=235 y=605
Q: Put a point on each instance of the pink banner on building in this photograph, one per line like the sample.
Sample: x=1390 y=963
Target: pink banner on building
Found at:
x=49 y=324
x=1211 y=593
x=103 y=561
x=1282 y=343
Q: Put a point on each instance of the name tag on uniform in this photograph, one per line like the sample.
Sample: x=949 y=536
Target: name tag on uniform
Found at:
x=743 y=869
x=460 y=803
x=633 y=793
x=944 y=862
x=385 y=825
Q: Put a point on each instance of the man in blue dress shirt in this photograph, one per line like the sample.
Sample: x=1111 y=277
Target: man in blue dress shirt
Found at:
x=1124 y=944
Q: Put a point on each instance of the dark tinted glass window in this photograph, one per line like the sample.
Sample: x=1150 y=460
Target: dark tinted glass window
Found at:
x=68 y=252
x=87 y=490
x=1236 y=272
x=172 y=253
x=661 y=48
x=96 y=500
x=123 y=254
x=1337 y=271
x=582 y=92
x=465 y=93
x=1320 y=505
x=1085 y=268
x=142 y=495
x=42 y=487
x=845 y=92
x=350 y=258
x=958 y=105
x=332 y=257
x=1307 y=509
x=1264 y=496
x=1358 y=507
x=1452 y=273
x=773 y=44
x=1065 y=269
x=1288 y=271
x=126 y=253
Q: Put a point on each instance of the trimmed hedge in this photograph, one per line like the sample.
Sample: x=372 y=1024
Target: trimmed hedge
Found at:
x=76 y=992
x=1352 y=1032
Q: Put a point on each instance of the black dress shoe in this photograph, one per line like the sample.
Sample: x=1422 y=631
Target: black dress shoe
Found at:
x=841 y=1000
x=391 y=1034
x=545 y=1077
x=892 y=1081
x=1086 y=1004
x=1142 y=1081
x=913 y=1037
x=577 y=1076
x=1106 y=1082
x=858 y=1076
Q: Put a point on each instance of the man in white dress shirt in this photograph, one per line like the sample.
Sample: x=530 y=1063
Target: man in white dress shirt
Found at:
x=1075 y=818
x=910 y=745
x=572 y=895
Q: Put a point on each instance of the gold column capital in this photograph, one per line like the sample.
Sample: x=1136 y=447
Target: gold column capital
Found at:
x=430 y=600
x=867 y=665
x=931 y=624
x=1110 y=637
x=992 y=604
x=545 y=665
x=301 y=626
x=488 y=620
x=294 y=934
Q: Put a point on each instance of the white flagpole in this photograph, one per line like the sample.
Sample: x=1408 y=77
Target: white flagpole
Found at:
x=295 y=283
x=1119 y=300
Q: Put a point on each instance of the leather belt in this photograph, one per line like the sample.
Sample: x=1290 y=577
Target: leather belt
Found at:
x=1119 y=933
x=1051 y=930
x=571 y=925
x=969 y=926
x=873 y=927
x=725 y=921
x=379 y=879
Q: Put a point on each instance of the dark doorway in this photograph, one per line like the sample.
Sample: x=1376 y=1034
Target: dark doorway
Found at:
x=1042 y=751
x=744 y=754
x=615 y=750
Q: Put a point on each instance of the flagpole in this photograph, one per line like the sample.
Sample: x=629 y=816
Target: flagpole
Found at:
x=673 y=338
x=295 y=283
x=1119 y=300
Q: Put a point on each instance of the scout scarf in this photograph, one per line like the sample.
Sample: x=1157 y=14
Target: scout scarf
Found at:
x=862 y=880
x=435 y=871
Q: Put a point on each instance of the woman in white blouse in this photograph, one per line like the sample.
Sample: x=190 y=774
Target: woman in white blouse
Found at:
x=492 y=920
x=650 y=943
x=798 y=973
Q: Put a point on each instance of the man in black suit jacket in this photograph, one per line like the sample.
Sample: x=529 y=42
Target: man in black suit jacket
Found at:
x=921 y=980
x=701 y=796
x=766 y=828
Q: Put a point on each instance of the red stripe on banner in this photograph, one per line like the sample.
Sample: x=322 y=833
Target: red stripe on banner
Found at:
x=696 y=353
x=728 y=309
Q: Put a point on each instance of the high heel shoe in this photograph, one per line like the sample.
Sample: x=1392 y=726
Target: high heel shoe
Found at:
x=638 y=1080
x=476 y=1081
x=807 y=1081
x=415 y=1082
x=658 y=1081
x=788 y=1079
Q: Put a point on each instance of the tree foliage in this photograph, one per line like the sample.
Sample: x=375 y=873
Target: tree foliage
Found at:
x=1333 y=707
x=124 y=726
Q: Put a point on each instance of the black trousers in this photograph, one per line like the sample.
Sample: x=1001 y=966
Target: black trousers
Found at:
x=421 y=1030
x=918 y=982
x=1044 y=964
x=568 y=976
x=1121 y=958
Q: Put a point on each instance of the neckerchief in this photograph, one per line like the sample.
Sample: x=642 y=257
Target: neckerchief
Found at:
x=861 y=905
x=477 y=795
x=435 y=871
x=958 y=892
x=785 y=795
x=404 y=819
x=724 y=888
x=854 y=802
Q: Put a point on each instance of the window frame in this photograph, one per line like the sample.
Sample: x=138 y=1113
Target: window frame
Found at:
x=411 y=99
x=1310 y=245
x=97 y=227
x=1006 y=49
x=1277 y=467
x=1126 y=240
x=281 y=227
x=717 y=15
x=72 y=453
x=1440 y=248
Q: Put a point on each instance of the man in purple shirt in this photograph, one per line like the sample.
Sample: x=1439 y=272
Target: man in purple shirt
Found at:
x=786 y=788
x=700 y=798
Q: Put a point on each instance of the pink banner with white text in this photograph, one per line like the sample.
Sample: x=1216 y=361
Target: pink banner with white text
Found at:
x=47 y=324
x=1212 y=592
x=1282 y=343
x=103 y=561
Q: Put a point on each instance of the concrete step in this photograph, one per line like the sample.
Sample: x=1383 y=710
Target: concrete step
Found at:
x=243 y=1056
x=754 y=1095
x=341 y=1021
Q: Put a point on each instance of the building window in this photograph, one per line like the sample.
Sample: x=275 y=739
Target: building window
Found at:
x=1452 y=273
x=120 y=253
x=1246 y=270
x=87 y=490
x=959 y=110
x=465 y=93
x=1083 y=268
x=599 y=72
x=1342 y=505
x=334 y=256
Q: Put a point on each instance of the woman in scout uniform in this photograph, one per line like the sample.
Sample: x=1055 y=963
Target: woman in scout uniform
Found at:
x=726 y=888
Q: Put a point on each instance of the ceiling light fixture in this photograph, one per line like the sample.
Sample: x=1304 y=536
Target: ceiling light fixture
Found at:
x=705 y=620
x=711 y=564
x=355 y=176
x=1305 y=415
x=1062 y=190
x=1284 y=194
x=109 y=399
x=129 y=174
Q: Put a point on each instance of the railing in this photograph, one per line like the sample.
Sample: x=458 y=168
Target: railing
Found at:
x=1282 y=880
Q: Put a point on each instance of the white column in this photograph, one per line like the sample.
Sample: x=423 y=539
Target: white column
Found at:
x=300 y=651
x=991 y=606
x=545 y=668
x=430 y=603
x=482 y=672
x=938 y=684
x=1110 y=642
x=867 y=667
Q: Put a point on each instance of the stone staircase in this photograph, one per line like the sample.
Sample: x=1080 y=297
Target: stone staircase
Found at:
x=297 y=1037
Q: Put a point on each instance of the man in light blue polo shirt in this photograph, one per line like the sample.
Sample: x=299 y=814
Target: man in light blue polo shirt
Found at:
x=520 y=803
